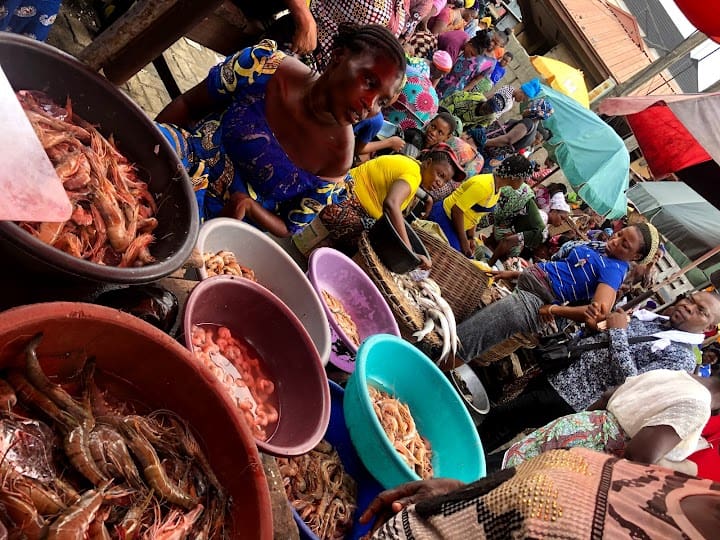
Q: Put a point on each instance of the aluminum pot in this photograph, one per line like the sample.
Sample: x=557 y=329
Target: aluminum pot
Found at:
x=32 y=65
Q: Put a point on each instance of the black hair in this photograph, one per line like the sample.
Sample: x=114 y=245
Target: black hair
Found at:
x=370 y=37
x=556 y=187
x=482 y=40
x=449 y=118
x=503 y=36
x=509 y=55
x=436 y=156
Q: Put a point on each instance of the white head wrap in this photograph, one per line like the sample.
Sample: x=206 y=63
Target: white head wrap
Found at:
x=558 y=202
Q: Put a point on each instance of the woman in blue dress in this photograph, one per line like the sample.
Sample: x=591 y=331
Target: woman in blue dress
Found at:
x=267 y=140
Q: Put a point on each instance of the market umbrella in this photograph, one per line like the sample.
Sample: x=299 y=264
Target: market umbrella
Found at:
x=591 y=155
x=563 y=78
x=674 y=131
x=704 y=14
x=679 y=212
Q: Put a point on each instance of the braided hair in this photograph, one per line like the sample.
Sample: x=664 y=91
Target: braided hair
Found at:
x=482 y=40
x=371 y=38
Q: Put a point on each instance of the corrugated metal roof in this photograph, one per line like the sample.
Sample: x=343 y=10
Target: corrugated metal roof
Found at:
x=610 y=39
x=662 y=35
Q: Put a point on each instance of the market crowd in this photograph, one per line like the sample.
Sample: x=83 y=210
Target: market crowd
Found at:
x=352 y=110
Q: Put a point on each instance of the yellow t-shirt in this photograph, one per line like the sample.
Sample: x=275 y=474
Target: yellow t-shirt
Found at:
x=476 y=196
x=374 y=178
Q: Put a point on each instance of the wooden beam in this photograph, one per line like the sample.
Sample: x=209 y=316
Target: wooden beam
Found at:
x=646 y=74
x=143 y=17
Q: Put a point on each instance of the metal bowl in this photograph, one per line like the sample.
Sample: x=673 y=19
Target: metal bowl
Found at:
x=472 y=392
x=32 y=65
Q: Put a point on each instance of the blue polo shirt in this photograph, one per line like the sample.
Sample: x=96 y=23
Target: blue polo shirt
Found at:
x=575 y=278
x=366 y=130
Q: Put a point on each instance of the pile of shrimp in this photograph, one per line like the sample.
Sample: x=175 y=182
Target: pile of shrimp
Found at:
x=320 y=491
x=239 y=368
x=225 y=263
x=113 y=219
x=84 y=468
x=399 y=426
x=342 y=317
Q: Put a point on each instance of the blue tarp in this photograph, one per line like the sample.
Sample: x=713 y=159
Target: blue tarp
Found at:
x=591 y=155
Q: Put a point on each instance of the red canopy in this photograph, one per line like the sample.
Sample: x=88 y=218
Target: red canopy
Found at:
x=674 y=132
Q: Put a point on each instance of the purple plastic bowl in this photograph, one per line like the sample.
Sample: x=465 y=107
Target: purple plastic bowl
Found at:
x=253 y=313
x=330 y=270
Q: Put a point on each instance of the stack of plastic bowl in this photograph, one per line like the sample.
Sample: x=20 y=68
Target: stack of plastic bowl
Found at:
x=367 y=487
x=331 y=271
x=260 y=318
x=139 y=364
x=274 y=269
x=390 y=364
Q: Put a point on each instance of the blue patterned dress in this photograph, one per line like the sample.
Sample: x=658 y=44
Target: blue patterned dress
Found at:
x=234 y=150
x=32 y=18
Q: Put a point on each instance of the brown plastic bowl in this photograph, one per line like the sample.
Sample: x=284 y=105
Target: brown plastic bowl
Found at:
x=159 y=373
x=32 y=65
x=253 y=313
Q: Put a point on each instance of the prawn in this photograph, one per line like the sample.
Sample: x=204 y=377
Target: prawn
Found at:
x=153 y=471
x=8 y=399
x=77 y=448
x=176 y=525
x=55 y=392
x=74 y=523
x=23 y=514
x=129 y=527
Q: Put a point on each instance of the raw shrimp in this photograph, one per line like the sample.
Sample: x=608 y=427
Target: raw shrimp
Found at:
x=55 y=392
x=237 y=367
x=73 y=523
x=342 y=317
x=176 y=525
x=77 y=449
x=399 y=426
x=152 y=468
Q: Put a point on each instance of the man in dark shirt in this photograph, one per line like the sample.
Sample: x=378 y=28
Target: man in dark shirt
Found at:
x=579 y=385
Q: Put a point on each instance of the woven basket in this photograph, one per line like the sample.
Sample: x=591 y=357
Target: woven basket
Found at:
x=408 y=316
x=506 y=348
x=461 y=282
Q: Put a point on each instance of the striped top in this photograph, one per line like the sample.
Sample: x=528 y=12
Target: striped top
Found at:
x=575 y=278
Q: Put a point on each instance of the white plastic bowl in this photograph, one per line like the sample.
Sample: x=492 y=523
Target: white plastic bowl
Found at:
x=274 y=269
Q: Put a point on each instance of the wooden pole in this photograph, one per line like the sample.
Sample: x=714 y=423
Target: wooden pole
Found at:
x=646 y=74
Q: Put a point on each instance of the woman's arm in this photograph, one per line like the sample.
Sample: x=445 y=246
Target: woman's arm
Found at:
x=458 y=220
x=189 y=107
x=305 y=38
x=651 y=444
x=392 y=206
x=394 y=143
x=602 y=302
x=517 y=132
x=241 y=206
x=601 y=404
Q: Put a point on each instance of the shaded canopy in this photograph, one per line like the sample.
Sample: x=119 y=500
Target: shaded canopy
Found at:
x=592 y=156
x=680 y=214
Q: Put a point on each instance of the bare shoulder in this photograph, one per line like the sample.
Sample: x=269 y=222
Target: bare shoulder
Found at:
x=292 y=71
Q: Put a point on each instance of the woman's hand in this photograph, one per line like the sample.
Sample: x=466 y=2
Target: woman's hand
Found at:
x=395 y=143
x=425 y=263
x=466 y=247
x=594 y=313
x=305 y=37
x=427 y=206
x=508 y=275
x=238 y=206
x=392 y=501
x=546 y=313
x=617 y=319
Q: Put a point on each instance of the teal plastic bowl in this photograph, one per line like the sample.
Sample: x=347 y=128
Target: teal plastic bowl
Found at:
x=388 y=363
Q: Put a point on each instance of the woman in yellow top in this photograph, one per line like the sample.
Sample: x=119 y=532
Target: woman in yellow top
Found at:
x=459 y=214
x=387 y=185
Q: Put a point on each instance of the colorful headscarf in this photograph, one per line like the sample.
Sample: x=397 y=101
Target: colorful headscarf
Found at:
x=479 y=135
x=539 y=109
x=651 y=240
x=531 y=88
x=442 y=61
x=497 y=103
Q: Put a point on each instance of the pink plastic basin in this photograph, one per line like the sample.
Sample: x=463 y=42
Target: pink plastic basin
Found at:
x=330 y=270
x=158 y=373
x=253 y=313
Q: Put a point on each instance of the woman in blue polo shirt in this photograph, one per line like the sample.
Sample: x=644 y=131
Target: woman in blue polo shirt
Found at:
x=590 y=274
